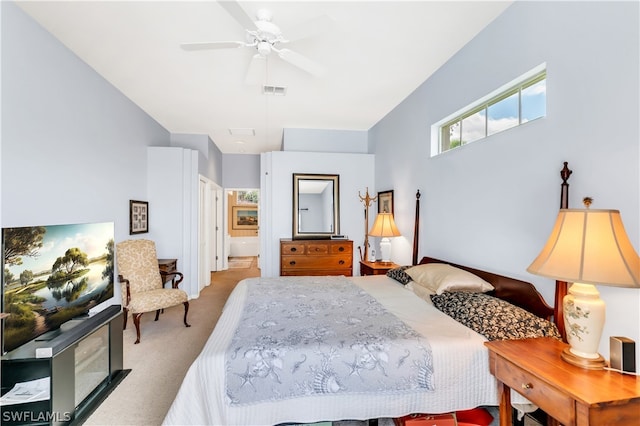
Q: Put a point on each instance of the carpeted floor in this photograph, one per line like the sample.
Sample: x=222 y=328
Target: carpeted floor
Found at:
x=166 y=350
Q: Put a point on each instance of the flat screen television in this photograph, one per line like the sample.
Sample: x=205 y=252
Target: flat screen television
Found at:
x=53 y=274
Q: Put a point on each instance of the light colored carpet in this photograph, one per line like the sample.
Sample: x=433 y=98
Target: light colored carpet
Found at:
x=161 y=359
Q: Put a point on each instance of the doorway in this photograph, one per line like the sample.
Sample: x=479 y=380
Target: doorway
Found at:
x=243 y=225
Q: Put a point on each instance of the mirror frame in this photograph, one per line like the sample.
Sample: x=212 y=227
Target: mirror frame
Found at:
x=296 y=233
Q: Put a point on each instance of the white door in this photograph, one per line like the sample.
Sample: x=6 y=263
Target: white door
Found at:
x=204 y=247
x=218 y=234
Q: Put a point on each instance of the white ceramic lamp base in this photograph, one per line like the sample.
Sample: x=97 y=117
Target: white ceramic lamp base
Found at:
x=584 y=314
x=385 y=249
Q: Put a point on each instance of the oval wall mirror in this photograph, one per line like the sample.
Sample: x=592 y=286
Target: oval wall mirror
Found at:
x=316 y=206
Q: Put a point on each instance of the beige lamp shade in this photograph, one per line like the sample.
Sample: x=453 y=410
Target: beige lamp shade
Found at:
x=384 y=226
x=591 y=247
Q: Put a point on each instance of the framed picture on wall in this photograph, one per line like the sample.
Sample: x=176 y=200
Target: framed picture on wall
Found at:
x=244 y=217
x=138 y=217
x=385 y=202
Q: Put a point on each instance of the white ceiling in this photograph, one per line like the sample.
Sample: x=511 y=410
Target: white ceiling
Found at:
x=375 y=54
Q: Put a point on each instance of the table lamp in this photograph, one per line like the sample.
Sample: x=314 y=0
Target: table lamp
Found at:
x=587 y=247
x=384 y=227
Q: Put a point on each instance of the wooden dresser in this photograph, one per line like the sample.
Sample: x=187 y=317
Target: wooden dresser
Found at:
x=316 y=257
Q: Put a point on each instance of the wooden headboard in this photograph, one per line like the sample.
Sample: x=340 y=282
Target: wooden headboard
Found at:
x=516 y=292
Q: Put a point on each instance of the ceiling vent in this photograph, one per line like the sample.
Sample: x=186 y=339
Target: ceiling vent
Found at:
x=274 y=90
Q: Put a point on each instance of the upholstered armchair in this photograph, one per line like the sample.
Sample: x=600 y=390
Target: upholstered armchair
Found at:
x=142 y=285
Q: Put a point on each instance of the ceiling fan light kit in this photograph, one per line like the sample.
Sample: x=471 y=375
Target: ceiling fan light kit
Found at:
x=262 y=35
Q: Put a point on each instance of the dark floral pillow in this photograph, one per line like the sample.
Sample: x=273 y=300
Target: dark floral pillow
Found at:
x=399 y=274
x=494 y=318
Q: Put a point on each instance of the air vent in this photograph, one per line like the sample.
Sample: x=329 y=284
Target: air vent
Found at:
x=274 y=90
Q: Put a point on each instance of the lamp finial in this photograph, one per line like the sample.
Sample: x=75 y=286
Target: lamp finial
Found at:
x=587 y=201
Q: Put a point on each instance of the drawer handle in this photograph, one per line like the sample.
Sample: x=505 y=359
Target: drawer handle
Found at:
x=293 y=249
x=527 y=386
x=292 y=263
x=341 y=262
x=341 y=249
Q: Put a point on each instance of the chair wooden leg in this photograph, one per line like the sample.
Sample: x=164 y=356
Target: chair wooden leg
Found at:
x=125 y=312
x=136 y=321
x=157 y=315
x=186 y=309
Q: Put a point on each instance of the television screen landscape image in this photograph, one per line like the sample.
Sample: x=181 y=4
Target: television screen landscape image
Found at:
x=52 y=274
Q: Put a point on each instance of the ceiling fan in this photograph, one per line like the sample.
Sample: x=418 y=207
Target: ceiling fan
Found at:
x=266 y=38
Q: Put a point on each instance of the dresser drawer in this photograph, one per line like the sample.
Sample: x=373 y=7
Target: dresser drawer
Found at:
x=292 y=248
x=551 y=400
x=315 y=262
x=317 y=248
x=337 y=248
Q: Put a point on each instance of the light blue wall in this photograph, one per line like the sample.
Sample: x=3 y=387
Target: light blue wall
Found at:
x=241 y=171
x=276 y=191
x=73 y=147
x=210 y=158
x=325 y=140
x=492 y=203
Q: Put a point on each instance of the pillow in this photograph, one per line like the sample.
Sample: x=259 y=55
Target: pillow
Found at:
x=495 y=319
x=399 y=274
x=422 y=292
x=440 y=277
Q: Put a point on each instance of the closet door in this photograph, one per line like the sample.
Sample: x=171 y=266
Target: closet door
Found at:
x=173 y=195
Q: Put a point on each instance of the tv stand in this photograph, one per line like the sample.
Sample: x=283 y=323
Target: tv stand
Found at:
x=48 y=336
x=82 y=363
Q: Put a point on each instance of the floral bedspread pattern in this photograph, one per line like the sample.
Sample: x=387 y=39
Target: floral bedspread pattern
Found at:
x=303 y=336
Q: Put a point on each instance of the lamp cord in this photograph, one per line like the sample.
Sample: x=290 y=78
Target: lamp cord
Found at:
x=622 y=371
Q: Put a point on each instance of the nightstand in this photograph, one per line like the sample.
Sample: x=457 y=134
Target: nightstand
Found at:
x=376 y=268
x=569 y=394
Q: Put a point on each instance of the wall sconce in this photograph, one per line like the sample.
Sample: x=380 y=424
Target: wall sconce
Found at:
x=384 y=227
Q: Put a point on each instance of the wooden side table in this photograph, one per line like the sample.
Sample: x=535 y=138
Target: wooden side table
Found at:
x=569 y=394
x=376 y=268
x=166 y=266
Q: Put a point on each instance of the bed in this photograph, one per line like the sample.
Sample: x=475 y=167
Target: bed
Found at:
x=396 y=348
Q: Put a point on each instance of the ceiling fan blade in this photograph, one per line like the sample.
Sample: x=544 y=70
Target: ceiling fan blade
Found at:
x=301 y=62
x=316 y=26
x=207 y=45
x=256 y=71
x=234 y=9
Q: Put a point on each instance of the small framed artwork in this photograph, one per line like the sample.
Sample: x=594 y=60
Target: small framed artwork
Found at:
x=138 y=217
x=385 y=202
x=244 y=217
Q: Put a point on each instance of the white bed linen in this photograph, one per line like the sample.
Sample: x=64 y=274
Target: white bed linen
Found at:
x=461 y=368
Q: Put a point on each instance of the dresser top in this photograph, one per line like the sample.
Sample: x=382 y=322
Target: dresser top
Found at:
x=314 y=240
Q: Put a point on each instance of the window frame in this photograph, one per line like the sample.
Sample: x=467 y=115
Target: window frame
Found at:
x=441 y=131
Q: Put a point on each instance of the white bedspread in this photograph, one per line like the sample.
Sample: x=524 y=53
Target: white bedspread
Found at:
x=461 y=367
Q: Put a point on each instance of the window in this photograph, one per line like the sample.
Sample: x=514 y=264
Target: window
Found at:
x=247 y=197
x=521 y=101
